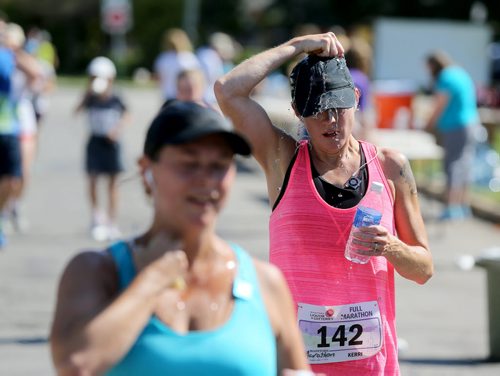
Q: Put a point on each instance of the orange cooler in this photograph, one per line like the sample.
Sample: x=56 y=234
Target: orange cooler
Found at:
x=393 y=103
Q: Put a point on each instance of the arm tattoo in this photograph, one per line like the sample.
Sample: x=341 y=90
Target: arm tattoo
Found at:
x=407 y=175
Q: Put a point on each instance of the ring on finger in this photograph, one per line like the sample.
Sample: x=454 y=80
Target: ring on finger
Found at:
x=375 y=246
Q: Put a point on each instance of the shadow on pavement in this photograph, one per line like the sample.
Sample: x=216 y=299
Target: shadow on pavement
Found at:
x=24 y=341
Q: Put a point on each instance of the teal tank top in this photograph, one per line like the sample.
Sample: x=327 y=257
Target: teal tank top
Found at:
x=243 y=345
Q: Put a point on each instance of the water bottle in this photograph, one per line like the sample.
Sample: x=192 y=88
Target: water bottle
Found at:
x=369 y=213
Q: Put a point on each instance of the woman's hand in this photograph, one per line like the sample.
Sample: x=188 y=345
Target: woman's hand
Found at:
x=172 y=266
x=374 y=240
x=163 y=261
x=325 y=45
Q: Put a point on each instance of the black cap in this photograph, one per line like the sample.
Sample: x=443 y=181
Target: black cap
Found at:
x=320 y=83
x=180 y=122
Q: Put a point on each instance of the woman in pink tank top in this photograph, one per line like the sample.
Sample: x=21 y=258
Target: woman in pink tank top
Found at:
x=345 y=311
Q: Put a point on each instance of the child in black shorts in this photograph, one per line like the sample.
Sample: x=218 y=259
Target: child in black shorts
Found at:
x=107 y=116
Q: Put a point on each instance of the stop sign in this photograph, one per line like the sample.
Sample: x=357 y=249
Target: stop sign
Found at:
x=116 y=16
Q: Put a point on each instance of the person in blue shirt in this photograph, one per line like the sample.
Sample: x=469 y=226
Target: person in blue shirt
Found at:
x=178 y=299
x=455 y=118
x=11 y=58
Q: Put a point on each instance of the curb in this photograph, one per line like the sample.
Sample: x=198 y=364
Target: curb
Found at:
x=481 y=208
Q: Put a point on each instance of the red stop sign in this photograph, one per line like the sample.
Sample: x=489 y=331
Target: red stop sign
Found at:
x=116 y=16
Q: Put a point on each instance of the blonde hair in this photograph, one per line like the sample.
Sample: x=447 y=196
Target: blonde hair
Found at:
x=14 y=35
x=225 y=45
x=359 y=55
x=177 y=40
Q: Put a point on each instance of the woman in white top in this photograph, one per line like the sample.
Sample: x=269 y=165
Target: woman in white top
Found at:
x=177 y=56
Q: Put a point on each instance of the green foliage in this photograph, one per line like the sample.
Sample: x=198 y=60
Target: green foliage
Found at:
x=151 y=19
x=496 y=141
x=76 y=31
x=221 y=15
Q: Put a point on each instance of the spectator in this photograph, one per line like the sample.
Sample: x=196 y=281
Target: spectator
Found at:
x=22 y=90
x=358 y=59
x=10 y=148
x=455 y=117
x=191 y=87
x=107 y=117
x=177 y=55
x=39 y=45
x=212 y=67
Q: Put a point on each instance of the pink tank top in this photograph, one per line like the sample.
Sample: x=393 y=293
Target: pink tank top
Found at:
x=307 y=242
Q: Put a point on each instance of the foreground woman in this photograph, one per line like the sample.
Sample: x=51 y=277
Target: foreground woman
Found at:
x=178 y=299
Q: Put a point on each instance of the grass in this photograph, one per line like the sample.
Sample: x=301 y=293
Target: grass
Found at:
x=486 y=194
x=430 y=173
x=496 y=141
x=81 y=81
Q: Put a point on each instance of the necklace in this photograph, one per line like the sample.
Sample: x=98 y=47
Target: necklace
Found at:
x=214 y=301
x=354 y=181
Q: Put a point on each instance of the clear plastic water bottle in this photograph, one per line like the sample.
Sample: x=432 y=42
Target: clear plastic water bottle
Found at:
x=369 y=213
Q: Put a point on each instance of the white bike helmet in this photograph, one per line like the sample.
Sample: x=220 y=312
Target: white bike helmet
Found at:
x=102 y=67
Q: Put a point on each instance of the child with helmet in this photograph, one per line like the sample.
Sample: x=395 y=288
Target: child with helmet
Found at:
x=107 y=116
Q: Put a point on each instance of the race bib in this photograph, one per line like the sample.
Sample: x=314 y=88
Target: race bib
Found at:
x=340 y=333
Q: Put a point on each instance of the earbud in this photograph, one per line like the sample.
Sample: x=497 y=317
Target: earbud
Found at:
x=148 y=176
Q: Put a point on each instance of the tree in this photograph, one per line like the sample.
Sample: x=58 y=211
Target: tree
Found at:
x=76 y=32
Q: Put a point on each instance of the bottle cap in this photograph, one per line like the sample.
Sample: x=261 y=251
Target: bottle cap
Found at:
x=377 y=187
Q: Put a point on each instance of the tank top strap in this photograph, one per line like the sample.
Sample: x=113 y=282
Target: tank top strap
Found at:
x=369 y=149
x=120 y=252
x=246 y=281
x=303 y=161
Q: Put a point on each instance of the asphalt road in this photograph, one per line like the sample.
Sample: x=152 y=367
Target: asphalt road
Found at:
x=443 y=325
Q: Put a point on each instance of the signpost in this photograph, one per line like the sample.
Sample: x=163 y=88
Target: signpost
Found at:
x=116 y=16
x=116 y=20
